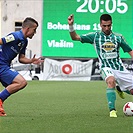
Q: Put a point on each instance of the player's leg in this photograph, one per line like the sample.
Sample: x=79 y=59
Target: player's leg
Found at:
x=2 y=112
x=130 y=92
x=111 y=95
x=18 y=83
x=125 y=81
x=118 y=88
x=108 y=76
x=13 y=82
x=119 y=92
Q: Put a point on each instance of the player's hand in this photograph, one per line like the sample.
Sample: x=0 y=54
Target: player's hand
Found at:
x=71 y=19
x=37 y=60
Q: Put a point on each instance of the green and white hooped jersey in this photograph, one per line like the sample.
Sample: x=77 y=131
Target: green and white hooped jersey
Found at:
x=107 y=48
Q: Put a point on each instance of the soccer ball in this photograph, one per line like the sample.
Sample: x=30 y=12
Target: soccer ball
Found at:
x=128 y=109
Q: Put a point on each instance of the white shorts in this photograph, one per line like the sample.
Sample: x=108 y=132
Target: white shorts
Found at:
x=123 y=78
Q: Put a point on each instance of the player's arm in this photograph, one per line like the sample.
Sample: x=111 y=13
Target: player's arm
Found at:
x=126 y=47
x=72 y=32
x=25 y=60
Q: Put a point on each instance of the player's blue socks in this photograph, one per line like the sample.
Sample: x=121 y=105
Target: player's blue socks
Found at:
x=4 y=95
x=111 y=97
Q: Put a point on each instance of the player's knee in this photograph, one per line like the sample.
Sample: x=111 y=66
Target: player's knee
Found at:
x=22 y=84
x=131 y=91
x=111 y=83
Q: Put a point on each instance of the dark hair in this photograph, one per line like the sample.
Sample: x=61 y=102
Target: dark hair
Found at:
x=105 y=17
x=29 y=22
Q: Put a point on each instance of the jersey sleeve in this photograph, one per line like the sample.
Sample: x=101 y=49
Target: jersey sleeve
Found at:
x=88 y=38
x=9 y=38
x=23 y=50
x=124 y=45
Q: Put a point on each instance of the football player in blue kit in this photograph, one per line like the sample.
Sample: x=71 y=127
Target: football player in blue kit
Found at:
x=12 y=45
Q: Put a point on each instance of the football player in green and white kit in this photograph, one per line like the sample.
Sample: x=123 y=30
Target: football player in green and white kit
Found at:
x=107 y=45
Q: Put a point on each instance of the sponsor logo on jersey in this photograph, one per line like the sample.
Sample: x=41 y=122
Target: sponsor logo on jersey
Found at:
x=13 y=49
x=108 y=46
x=109 y=55
x=9 y=38
x=20 y=46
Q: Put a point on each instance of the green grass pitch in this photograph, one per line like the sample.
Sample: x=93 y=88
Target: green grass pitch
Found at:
x=63 y=107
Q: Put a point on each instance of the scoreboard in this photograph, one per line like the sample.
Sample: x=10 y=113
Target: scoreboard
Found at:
x=56 y=41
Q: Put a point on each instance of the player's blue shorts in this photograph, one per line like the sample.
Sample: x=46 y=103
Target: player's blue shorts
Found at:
x=7 y=76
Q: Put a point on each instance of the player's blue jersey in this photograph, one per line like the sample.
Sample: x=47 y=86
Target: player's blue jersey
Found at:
x=13 y=44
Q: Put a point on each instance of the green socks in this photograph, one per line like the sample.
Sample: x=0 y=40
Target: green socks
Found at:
x=128 y=92
x=111 y=97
